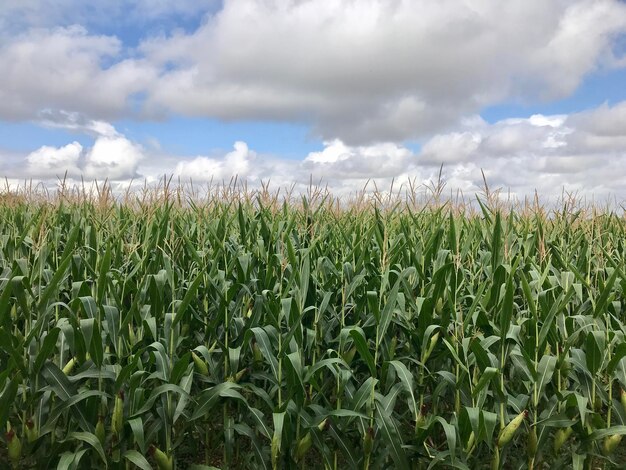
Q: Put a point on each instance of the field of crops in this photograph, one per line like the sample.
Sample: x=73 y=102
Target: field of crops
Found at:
x=256 y=334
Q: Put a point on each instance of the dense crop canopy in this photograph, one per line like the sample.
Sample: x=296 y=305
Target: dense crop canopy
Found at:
x=247 y=334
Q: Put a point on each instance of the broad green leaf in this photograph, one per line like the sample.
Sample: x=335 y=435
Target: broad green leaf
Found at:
x=137 y=459
x=392 y=437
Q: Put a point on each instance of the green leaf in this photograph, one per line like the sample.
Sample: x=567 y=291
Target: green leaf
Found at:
x=545 y=369
x=594 y=351
x=6 y=400
x=47 y=347
x=161 y=389
x=137 y=459
x=602 y=433
x=266 y=348
x=450 y=432
x=277 y=438
x=209 y=398
x=58 y=381
x=488 y=423
x=486 y=376
x=136 y=425
x=617 y=355
x=92 y=440
x=358 y=336
x=604 y=296
x=392 y=437
x=52 y=286
x=344 y=445
x=407 y=380
x=183 y=308
x=70 y=460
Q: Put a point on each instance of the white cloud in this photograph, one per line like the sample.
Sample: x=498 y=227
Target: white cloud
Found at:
x=340 y=161
x=583 y=152
x=603 y=121
x=112 y=156
x=362 y=71
x=549 y=154
x=65 y=68
x=377 y=70
x=451 y=148
x=75 y=122
x=239 y=162
x=51 y=162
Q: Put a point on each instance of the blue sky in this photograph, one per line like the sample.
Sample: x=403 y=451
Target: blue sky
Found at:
x=530 y=92
x=597 y=88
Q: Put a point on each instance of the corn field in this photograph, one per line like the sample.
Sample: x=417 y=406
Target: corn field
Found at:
x=252 y=334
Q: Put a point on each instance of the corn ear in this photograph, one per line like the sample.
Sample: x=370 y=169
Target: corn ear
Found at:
x=32 y=433
x=560 y=437
x=324 y=425
x=100 y=434
x=14 y=446
x=510 y=429
x=431 y=346
x=303 y=446
x=611 y=443
x=117 y=420
x=421 y=417
x=256 y=352
x=69 y=367
x=199 y=364
x=349 y=355
x=393 y=346
x=132 y=339
x=163 y=461
x=275 y=451
x=241 y=374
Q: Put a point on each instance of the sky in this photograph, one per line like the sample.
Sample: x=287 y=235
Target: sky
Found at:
x=344 y=93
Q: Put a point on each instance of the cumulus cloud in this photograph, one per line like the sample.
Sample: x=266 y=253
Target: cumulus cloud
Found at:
x=340 y=161
x=380 y=70
x=66 y=68
x=48 y=161
x=112 y=156
x=583 y=152
x=75 y=122
x=239 y=162
x=362 y=71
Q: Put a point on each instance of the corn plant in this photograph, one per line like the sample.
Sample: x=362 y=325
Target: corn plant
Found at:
x=242 y=332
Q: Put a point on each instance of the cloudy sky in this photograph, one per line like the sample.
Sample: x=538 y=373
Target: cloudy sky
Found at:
x=531 y=92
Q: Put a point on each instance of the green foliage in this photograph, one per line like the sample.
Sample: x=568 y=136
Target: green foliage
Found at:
x=245 y=334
